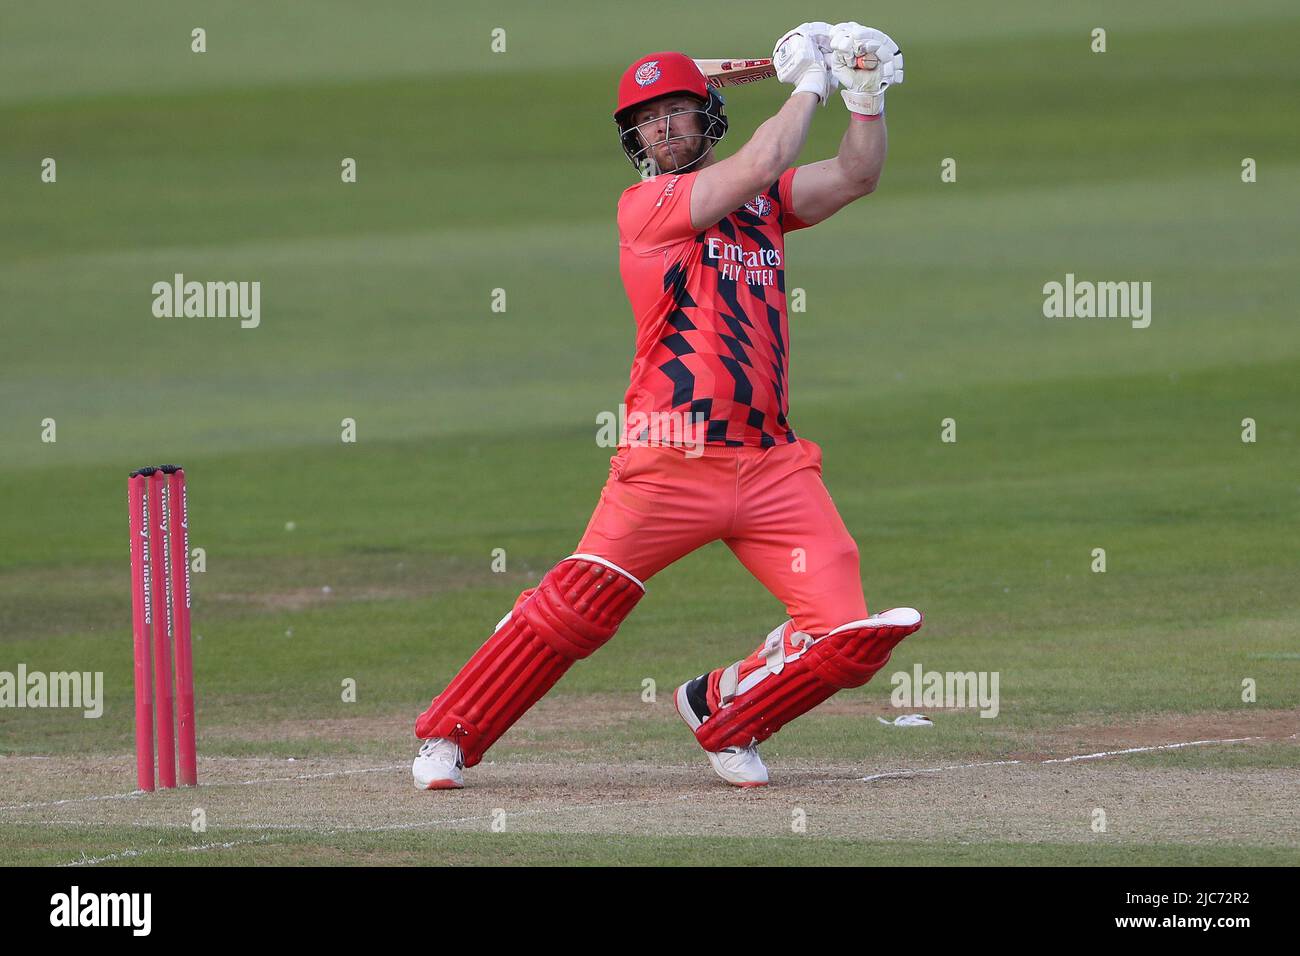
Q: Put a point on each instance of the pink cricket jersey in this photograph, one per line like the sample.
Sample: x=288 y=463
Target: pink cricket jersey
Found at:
x=712 y=343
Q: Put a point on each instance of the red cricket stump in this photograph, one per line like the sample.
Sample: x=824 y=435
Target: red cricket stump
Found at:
x=178 y=539
x=141 y=619
x=160 y=619
x=162 y=658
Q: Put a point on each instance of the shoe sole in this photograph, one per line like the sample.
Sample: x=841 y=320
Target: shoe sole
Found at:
x=683 y=709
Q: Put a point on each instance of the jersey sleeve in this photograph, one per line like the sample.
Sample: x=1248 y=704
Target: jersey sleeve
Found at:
x=657 y=213
x=785 y=195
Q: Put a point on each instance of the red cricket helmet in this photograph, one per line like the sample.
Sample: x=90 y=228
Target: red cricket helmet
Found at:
x=662 y=74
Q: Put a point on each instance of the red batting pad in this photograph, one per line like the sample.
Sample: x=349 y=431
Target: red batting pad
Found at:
x=577 y=607
x=846 y=657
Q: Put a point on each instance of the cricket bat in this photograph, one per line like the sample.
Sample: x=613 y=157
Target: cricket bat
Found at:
x=740 y=72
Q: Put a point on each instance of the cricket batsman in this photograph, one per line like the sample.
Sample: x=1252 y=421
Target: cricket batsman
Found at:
x=707 y=450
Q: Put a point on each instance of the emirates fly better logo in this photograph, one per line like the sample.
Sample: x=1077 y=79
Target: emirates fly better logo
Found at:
x=647 y=73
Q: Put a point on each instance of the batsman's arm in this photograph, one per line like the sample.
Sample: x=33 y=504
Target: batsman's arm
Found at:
x=721 y=188
x=821 y=189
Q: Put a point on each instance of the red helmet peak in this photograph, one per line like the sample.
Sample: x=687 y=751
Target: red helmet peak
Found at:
x=659 y=74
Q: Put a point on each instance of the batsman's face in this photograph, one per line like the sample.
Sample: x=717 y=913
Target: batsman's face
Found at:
x=672 y=126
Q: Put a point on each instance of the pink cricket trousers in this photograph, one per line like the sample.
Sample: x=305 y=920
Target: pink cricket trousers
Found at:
x=768 y=504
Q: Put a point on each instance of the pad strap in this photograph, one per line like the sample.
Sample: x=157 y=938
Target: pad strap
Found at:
x=792 y=672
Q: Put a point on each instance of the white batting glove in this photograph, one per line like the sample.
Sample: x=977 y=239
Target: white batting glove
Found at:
x=799 y=60
x=864 y=90
x=819 y=31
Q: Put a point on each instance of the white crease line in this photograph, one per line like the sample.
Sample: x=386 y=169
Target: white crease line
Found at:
x=59 y=803
x=893 y=774
x=314 y=776
x=132 y=854
x=1139 y=750
x=207 y=786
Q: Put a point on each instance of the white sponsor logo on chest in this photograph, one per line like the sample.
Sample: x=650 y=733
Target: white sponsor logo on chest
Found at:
x=736 y=263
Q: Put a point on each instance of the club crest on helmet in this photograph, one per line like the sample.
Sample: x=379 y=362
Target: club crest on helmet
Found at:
x=657 y=75
x=647 y=73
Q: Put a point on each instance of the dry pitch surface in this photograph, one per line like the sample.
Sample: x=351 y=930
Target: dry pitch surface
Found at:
x=1171 y=789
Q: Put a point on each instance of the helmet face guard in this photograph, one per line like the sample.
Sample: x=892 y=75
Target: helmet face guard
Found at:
x=712 y=122
x=652 y=77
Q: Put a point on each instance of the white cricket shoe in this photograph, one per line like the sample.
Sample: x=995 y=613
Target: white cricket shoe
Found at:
x=438 y=766
x=739 y=766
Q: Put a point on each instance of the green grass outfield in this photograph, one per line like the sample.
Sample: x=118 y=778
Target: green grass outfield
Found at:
x=476 y=429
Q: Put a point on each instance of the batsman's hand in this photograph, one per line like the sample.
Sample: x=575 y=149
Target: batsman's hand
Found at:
x=864 y=90
x=799 y=59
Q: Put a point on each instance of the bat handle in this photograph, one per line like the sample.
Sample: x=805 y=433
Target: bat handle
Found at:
x=868 y=62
